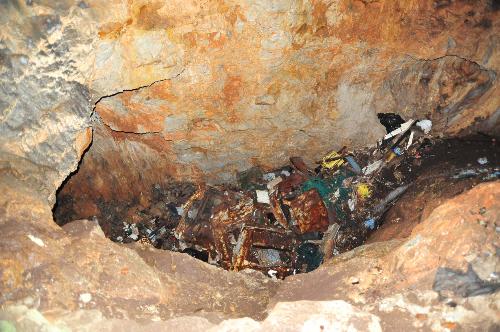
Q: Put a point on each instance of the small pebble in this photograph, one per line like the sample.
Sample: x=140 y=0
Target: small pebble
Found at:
x=354 y=280
x=37 y=241
x=85 y=297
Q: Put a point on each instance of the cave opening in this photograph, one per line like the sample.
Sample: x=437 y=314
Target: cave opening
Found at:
x=281 y=192
x=284 y=220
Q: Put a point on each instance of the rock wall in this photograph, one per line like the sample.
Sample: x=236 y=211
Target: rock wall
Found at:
x=247 y=83
x=222 y=86
x=44 y=92
x=203 y=90
x=193 y=90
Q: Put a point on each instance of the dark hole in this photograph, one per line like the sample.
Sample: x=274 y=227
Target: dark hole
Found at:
x=201 y=255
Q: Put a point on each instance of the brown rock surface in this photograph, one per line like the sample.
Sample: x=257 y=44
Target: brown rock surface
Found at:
x=293 y=78
x=190 y=89
x=49 y=269
x=202 y=90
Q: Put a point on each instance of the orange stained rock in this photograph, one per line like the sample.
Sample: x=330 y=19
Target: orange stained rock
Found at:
x=232 y=90
x=113 y=30
x=83 y=140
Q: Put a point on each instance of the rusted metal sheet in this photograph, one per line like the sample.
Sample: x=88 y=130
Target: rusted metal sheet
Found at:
x=299 y=164
x=277 y=211
x=265 y=249
x=291 y=183
x=273 y=238
x=328 y=243
x=241 y=250
x=308 y=212
x=226 y=223
x=194 y=229
x=185 y=229
x=238 y=234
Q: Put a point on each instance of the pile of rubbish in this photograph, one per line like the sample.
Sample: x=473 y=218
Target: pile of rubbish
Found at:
x=289 y=220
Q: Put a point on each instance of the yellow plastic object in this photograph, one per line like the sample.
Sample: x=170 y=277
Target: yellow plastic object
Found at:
x=331 y=164
x=390 y=156
x=364 y=191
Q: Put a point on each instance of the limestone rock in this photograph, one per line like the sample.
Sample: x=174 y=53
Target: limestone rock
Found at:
x=192 y=90
x=205 y=90
x=50 y=269
x=216 y=89
x=308 y=316
x=289 y=77
x=44 y=95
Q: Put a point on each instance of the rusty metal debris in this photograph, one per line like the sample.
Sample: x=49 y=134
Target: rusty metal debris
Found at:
x=299 y=164
x=239 y=230
x=308 y=212
x=264 y=249
x=289 y=220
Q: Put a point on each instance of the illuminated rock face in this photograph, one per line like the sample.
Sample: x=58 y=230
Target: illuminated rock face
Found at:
x=225 y=86
x=200 y=91
x=197 y=90
x=44 y=95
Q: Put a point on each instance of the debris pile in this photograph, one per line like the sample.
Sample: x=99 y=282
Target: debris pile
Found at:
x=289 y=220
